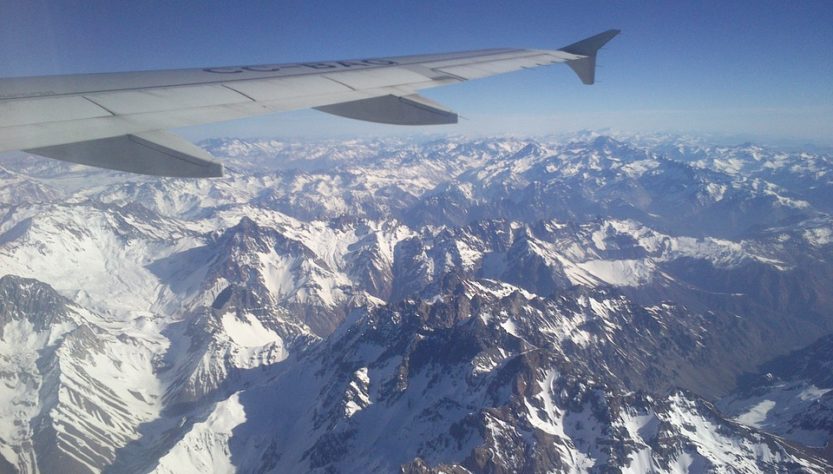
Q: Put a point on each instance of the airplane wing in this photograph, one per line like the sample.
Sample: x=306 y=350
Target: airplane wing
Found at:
x=118 y=120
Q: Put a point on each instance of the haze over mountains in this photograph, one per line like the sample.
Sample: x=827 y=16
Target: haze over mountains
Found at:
x=454 y=305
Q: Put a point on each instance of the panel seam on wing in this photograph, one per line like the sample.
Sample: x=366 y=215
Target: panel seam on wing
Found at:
x=238 y=92
x=99 y=106
x=339 y=82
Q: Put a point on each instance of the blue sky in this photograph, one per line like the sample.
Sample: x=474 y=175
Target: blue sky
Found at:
x=757 y=69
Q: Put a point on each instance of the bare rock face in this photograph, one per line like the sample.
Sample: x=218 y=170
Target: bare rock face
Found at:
x=31 y=300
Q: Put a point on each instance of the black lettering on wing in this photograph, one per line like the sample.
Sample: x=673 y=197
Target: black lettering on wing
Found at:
x=263 y=68
x=379 y=62
x=320 y=65
x=224 y=70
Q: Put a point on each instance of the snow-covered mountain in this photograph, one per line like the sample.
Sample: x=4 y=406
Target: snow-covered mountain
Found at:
x=76 y=388
x=493 y=379
x=490 y=305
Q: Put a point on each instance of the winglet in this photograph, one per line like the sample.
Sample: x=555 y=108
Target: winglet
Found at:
x=585 y=67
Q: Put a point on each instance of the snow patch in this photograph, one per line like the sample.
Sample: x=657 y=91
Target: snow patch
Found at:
x=620 y=272
x=819 y=236
x=205 y=447
x=248 y=332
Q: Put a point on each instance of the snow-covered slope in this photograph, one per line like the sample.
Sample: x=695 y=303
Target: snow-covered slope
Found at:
x=792 y=396
x=76 y=386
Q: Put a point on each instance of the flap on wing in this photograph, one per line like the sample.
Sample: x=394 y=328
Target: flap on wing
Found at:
x=155 y=153
x=391 y=109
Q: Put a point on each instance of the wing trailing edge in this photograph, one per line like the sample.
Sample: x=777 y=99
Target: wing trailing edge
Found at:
x=154 y=153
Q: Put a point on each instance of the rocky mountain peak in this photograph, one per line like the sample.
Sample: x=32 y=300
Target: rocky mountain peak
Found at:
x=26 y=298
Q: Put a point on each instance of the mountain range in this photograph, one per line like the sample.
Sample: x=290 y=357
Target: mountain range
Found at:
x=568 y=304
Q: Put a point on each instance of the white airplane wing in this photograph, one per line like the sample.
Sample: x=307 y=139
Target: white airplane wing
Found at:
x=117 y=120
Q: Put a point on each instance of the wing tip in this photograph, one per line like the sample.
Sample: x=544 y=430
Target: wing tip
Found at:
x=585 y=68
x=215 y=170
x=589 y=46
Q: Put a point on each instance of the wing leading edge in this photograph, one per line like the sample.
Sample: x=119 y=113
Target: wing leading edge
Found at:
x=116 y=120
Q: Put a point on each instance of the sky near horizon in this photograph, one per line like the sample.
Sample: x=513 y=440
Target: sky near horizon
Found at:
x=753 y=69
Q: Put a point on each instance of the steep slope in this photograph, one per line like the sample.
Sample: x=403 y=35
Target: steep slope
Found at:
x=791 y=397
x=483 y=381
x=77 y=388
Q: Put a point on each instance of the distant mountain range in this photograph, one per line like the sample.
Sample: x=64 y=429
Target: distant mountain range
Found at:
x=584 y=304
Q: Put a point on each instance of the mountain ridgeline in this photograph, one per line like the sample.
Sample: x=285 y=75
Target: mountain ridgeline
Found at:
x=581 y=304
